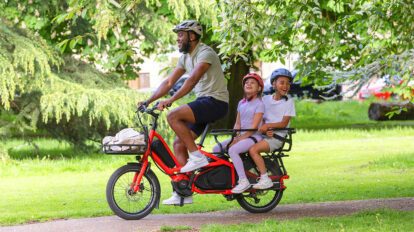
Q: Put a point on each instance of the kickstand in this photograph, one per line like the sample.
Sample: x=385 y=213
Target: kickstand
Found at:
x=181 y=201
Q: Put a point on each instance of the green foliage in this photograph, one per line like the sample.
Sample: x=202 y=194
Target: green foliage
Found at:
x=117 y=35
x=25 y=63
x=74 y=102
x=88 y=105
x=336 y=41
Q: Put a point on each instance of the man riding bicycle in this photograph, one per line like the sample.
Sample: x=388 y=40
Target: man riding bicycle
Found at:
x=188 y=121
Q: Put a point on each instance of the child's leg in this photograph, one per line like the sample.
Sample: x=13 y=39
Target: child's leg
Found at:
x=216 y=148
x=234 y=151
x=255 y=151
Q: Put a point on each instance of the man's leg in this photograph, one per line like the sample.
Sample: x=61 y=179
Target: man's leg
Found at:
x=179 y=118
x=181 y=153
x=180 y=150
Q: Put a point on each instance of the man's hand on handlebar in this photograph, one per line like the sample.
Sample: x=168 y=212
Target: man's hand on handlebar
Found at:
x=164 y=104
x=141 y=106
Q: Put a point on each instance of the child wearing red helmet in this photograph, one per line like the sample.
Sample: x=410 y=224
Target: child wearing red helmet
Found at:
x=249 y=116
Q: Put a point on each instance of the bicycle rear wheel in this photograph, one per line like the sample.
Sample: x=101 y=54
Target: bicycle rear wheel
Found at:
x=121 y=197
x=261 y=201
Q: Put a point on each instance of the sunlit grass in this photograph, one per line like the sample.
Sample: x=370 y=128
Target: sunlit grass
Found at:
x=380 y=220
x=338 y=114
x=326 y=165
x=338 y=154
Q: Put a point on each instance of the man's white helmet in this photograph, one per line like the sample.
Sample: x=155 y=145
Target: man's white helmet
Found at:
x=189 y=25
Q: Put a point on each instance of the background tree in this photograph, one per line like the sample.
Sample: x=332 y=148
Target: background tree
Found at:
x=336 y=41
x=74 y=101
x=70 y=100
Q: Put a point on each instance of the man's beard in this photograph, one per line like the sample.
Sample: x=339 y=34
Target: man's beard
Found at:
x=185 y=48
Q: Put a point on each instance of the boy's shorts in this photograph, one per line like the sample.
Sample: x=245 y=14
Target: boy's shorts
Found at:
x=273 y=143
x=206 y=110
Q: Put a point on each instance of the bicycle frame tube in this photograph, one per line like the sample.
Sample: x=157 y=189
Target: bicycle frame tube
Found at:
x=216 y=162
x=157 y=159
x=174 y=172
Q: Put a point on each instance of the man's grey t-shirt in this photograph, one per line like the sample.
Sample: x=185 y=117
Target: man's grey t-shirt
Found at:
x=212 y=83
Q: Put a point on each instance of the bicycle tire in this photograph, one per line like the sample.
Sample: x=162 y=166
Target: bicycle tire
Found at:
x=261 y=201
x=253 y=207
x=126 y=204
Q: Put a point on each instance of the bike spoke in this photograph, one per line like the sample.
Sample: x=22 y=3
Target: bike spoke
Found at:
x=132 y=202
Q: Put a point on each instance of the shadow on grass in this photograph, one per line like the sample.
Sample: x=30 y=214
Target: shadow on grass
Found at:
x=27 y=151
x=362 y=126
x=54 y=150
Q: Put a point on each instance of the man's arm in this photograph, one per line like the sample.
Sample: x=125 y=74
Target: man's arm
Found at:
x=166 y=85
x=198 y=72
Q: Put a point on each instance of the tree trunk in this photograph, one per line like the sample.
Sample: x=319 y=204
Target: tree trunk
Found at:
x=378 y=111
x=234 y=85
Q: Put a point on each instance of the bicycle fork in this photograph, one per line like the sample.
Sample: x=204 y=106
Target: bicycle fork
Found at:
x=136 y=182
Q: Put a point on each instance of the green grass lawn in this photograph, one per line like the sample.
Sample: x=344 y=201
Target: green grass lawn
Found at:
x=325 y=165
x=382 y=220
x=367 y=160
x=338 y=114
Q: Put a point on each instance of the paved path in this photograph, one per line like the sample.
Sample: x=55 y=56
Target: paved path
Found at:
x=153 y=222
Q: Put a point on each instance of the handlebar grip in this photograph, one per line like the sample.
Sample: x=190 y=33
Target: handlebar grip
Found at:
x=143 y=107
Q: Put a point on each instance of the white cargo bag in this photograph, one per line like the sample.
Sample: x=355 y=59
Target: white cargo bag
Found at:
x=125 y=136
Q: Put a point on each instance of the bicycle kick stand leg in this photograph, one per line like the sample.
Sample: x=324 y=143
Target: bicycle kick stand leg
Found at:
x=181 y=201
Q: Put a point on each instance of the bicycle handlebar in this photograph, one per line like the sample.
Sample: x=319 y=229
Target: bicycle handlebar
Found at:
x=144 y=109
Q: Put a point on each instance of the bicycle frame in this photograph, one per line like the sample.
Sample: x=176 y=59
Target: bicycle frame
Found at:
x=174 y=173
x=218 y=177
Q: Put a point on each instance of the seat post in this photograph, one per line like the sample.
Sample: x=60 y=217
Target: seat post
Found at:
x=203 y=135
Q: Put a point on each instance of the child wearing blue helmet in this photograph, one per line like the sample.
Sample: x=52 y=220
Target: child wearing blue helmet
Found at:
x=279 y=109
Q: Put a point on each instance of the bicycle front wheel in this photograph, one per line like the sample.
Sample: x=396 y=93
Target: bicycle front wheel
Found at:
x=126 y=203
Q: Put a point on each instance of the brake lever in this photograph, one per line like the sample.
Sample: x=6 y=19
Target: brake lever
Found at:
x=143 y=107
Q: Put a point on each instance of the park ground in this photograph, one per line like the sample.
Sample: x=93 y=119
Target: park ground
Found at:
x=338 y=155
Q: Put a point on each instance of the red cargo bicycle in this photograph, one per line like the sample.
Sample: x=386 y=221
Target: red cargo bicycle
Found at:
x=133 y=190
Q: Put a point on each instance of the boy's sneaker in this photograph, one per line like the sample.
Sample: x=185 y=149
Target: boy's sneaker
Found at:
x=264 y=183
x=175 y=200
x=194 y=163
x=242 y=186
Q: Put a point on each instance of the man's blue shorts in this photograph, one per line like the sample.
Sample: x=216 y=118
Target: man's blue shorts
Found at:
x=206 y=110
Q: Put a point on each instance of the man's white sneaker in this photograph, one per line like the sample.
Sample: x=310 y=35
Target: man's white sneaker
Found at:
x=264 y=183
x=194 y=163
x=175 y=200
x=243 y=185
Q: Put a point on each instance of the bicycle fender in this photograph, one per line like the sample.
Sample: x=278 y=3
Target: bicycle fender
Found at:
x=139 y=165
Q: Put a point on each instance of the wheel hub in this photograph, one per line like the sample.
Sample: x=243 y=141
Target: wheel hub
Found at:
x=134 y=196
